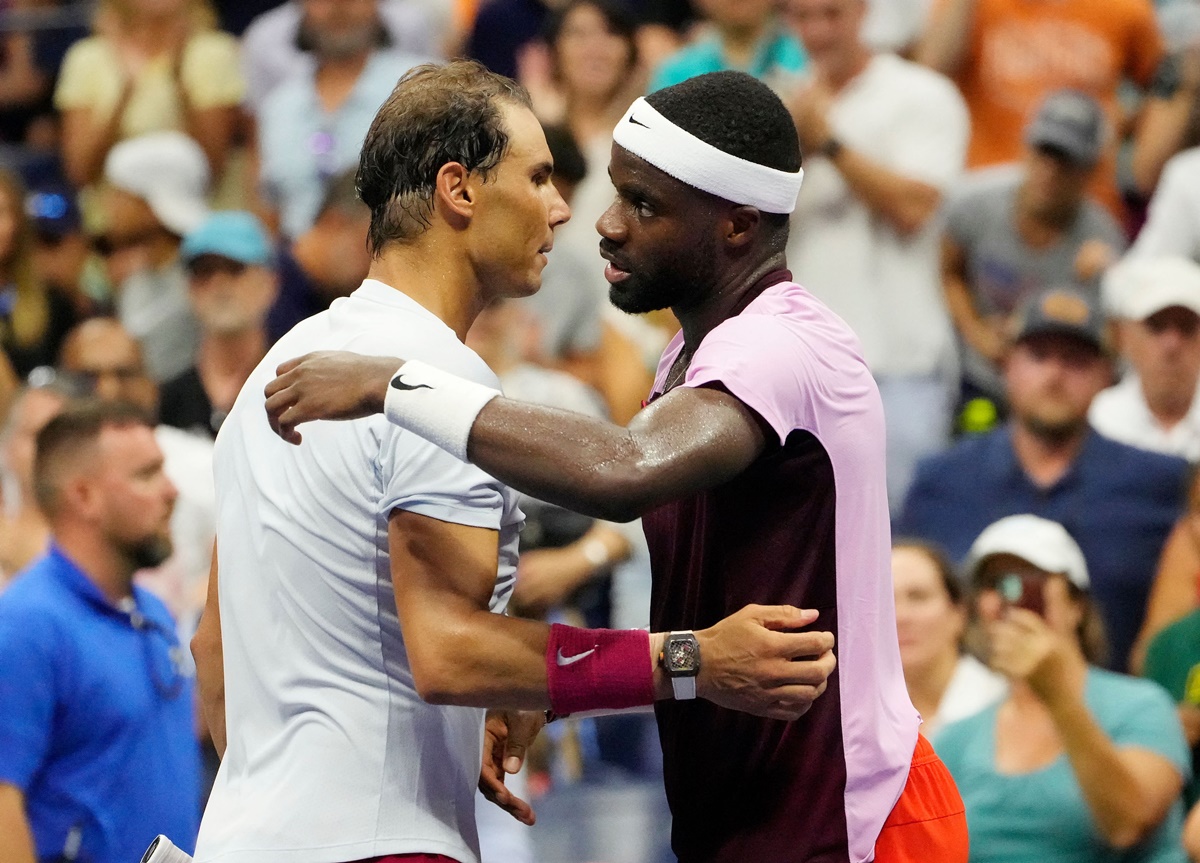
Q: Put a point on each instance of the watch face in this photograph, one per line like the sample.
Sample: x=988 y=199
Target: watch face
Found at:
x=682 y=654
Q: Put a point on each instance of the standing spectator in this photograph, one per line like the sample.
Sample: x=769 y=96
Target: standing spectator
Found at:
x=33 y=319
x=1008 y=55
x=944 y=682
x=232 y=285
x=1173 y=220
x=1118 y=501
x=896 y=26
x=746 y=36
x=277 y=45
x=155 y=194
x=1077 y=764
x=1155 y=406
x=107 y=361
x=97 y=748
x=153 y=65
x=311 y=126
x=884 y=139
x=1013 y=232
x=327 y=261
x=24 y=533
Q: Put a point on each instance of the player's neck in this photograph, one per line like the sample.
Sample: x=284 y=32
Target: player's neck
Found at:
x=439 y=280
x=733 y=291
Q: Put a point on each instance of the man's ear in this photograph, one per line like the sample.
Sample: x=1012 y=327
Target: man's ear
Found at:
x=454 y=192
x=741 y=226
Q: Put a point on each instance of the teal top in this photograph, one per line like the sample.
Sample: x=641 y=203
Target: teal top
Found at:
x=1042 y=816
x=779 y=53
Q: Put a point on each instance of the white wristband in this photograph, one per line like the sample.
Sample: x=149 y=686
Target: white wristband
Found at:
x=436 y=405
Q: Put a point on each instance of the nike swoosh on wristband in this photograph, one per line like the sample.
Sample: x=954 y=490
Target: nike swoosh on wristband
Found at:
x=398 y=384
x=571 y=660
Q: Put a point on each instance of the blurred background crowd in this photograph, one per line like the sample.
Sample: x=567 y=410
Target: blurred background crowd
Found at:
x=1001 y=197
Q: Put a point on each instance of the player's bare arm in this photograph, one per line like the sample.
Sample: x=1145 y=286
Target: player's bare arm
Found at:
x=691 y=439
x=209 y=657
x=461 y=653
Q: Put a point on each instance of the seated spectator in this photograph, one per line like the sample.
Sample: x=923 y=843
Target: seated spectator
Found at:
x=1013 y=232
x=155 y=194
x=1077 y=763
x=33 y=318
x=152 y=66
x=24 y=532
x=1173 y=219
x=232 y=285
x=61 y=253
x=896 y=26
x=1007 y=56
x=276 y=45
x=1173 y=662
x=311 y=126
x=107 y=362
x=745 y=36
x=1157 y=301
x=1119 y=502
x=97 y=709
x=883 y=141
x=944 y=682
x=327 y=261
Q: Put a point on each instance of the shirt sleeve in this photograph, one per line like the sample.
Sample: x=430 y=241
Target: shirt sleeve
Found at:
x=1171 y=225
x=763 y=365
x=212 y=71
x=81 y=70
x=1144 y=717
x=27 y=696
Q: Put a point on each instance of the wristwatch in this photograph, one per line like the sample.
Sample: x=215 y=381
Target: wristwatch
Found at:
x=680 y=659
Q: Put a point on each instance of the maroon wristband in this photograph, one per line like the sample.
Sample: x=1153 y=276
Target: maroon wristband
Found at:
x=598 y=669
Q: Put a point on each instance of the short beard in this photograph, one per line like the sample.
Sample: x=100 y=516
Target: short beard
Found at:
x=1055 y=434
x=151 y=552
x=342 y=46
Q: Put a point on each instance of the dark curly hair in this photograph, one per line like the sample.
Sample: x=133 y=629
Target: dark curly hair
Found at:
x=435 y=115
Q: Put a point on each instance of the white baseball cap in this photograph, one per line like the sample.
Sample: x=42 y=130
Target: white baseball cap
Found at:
x=1044 y=543
x=1137 y=288
x=167 y=170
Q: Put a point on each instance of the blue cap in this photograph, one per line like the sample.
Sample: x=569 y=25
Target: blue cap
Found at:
x=52 y=211
x=232 y=234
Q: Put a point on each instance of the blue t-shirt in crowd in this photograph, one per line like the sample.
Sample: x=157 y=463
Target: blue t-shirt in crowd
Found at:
x=1041 y=816
x=97 y=717
x=779 y=55
x=1118 y=502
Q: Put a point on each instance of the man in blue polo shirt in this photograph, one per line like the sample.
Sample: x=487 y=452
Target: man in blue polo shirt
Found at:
x=1119 y=503
x=97 y=746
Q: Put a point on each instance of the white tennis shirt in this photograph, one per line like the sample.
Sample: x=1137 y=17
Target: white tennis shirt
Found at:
x=332 y=756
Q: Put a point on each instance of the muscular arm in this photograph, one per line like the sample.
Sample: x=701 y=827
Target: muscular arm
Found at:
x=461 y=653
x=16 y=839
x=210 y=658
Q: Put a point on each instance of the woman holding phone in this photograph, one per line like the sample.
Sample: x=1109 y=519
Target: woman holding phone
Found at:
x=1077 y=763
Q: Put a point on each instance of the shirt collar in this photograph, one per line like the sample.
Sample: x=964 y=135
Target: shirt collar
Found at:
x=72 y=577
x=1003 y=458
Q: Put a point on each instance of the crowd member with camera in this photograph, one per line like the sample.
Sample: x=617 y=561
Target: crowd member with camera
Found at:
x=1076 y=763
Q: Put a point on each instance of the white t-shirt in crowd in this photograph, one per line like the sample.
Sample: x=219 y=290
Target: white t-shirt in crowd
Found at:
x=332 y=755
x=887 y=287
x=1121 y=413
x=1173 y=221
x=972 y=687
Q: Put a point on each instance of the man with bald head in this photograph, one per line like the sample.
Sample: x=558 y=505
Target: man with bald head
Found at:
x=107 y=361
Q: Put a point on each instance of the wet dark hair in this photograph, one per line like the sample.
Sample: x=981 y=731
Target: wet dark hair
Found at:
x=739 y=115
x=435 y=115
x=617 y=18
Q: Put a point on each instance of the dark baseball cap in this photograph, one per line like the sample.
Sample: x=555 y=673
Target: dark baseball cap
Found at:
x=1064 y=311
x=1071 y=123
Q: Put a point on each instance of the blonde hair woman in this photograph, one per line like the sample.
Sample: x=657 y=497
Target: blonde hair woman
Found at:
x=152 y=66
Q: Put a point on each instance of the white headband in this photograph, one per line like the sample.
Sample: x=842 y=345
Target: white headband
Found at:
x=648 y=134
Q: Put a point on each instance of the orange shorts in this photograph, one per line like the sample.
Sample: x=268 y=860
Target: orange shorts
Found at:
x=929 y=821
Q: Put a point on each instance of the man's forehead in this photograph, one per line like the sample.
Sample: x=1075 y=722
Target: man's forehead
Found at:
x=526 y=140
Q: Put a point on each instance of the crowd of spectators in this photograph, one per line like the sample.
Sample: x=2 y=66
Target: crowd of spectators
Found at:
x=1001 y=197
